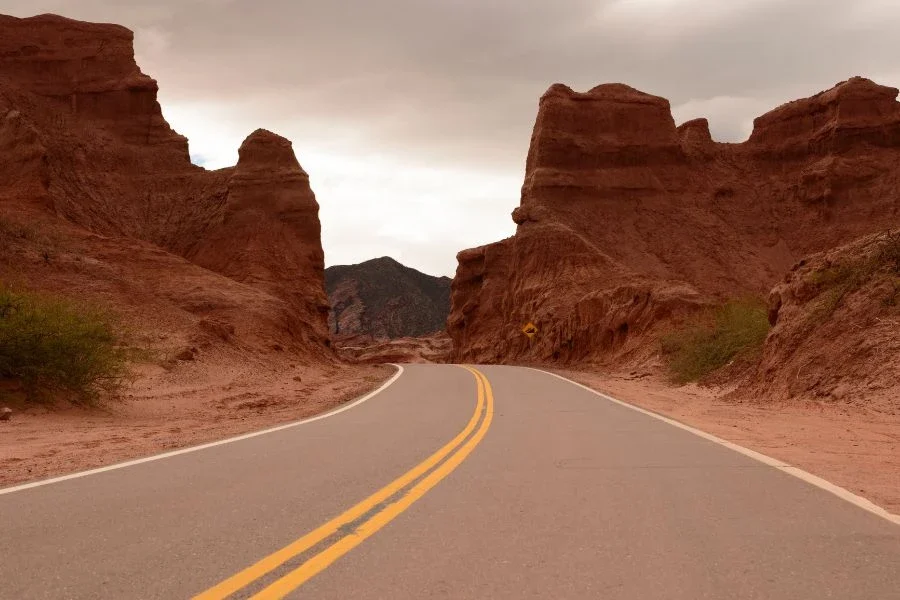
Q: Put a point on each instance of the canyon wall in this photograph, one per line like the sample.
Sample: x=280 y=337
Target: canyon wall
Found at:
x=233 y=255
x=626 y=220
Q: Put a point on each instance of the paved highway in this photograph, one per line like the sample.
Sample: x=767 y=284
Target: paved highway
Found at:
x=496 y=482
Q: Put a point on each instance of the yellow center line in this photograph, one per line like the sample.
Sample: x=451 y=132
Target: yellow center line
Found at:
x=276 y=559
x=321 y=561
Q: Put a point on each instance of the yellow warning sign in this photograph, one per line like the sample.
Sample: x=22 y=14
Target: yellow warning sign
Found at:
x=530 y=330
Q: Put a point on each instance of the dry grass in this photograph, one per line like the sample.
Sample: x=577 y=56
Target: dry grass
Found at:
x=836 y=281
x=734 y=331
x=15 y=233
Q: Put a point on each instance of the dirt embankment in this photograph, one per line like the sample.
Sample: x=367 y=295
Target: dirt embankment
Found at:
x=835 y=328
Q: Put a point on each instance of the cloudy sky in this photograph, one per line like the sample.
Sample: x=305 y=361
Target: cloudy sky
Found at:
x=413 y=116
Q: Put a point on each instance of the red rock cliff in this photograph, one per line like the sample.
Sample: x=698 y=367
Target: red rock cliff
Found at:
x=84 y=139
x=626 y=219
x=87 y=70
x=269 y=218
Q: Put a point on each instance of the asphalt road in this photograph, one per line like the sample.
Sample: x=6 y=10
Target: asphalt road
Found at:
x=448 y=484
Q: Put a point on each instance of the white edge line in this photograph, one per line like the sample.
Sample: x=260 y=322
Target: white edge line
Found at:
x=838 y=491
x=139 y=461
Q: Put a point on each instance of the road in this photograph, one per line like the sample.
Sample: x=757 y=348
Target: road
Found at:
x=499 y=482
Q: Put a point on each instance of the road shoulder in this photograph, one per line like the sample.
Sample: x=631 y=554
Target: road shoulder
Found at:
x=42 y=443
x=850 y=446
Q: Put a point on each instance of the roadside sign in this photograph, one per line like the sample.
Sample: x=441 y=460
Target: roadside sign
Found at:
x=530 y=330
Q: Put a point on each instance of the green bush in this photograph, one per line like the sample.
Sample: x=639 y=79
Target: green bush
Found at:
x=735 y=330
x=54 y=345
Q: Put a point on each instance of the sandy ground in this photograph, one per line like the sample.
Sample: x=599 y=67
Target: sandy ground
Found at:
x=158 y=414
x=855 y=447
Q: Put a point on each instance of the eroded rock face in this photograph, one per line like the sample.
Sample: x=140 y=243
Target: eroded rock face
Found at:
x=23 y=167
x=87 y=70
x=362 y=349
x=854 y=113
x=626 y=219
x=108 y=160
x=836 y=327
x=83 y=139
x=270 y=216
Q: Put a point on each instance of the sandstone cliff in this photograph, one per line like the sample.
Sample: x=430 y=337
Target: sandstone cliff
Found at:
x=626 y=220
x=222 y=259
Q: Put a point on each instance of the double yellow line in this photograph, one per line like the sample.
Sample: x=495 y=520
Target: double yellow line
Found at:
x=404 y=492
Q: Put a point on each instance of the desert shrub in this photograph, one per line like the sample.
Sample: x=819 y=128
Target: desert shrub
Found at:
x=734 y=330
x=51 y=345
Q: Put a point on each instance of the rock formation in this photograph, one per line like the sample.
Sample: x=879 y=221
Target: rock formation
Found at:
x=423 y=349
x=88 y=70
x=230 y=255
x=836 y=327
x=626 y=220
x=270 y=215
x=384 y=299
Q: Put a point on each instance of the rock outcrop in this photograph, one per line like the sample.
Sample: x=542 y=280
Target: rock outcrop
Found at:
x=88 y=70
x=626 y=220
x=270 y=215
x=383 y=299
x=232 y=255
x=366 y=350
x=853 y=114
x=836 y=327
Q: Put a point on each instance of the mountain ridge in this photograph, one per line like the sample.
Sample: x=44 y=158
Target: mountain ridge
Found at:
x=384 y=299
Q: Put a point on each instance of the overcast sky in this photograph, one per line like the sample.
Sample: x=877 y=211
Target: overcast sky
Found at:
x=413 y=117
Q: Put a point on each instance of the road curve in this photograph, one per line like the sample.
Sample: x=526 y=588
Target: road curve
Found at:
x=495 y=482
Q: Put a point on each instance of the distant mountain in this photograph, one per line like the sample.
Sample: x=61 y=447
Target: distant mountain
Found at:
x=385 y=300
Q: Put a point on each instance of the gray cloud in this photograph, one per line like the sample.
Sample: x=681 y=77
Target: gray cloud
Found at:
x=447 y=90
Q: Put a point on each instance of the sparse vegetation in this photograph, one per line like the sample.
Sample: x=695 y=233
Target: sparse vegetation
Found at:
x=734 y=331
x=53 y=345
x=837 y=281
x=13 y=233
